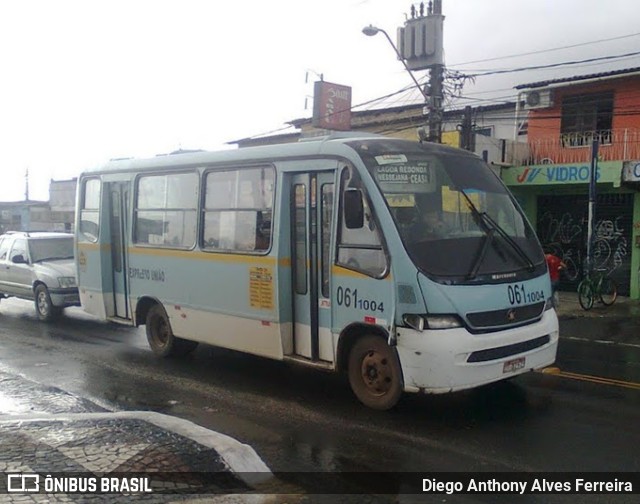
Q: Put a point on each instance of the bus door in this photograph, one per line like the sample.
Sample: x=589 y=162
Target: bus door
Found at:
x=312 y=203
x=118 y=208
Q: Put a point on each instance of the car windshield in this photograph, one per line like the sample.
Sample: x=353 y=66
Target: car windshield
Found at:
x=48 y=249
x=456 y=219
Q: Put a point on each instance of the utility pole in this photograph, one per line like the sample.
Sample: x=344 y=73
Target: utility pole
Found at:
x=420 y=46
x=593 y=178
x=466 y=130
x=436 y=76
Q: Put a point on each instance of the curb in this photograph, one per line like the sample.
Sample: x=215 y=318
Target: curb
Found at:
x=240 y=458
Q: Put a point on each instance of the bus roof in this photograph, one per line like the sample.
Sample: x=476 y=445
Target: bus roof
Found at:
x=332 y=145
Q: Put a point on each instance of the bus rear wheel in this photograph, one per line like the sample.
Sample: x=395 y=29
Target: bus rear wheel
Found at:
x=374 y=373
x=160 y=335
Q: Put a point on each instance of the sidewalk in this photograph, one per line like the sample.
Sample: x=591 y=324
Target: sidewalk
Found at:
x=618 y=324
x=177 y=459
x=623 y=308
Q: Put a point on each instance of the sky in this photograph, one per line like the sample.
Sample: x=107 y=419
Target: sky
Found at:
x=84 y=81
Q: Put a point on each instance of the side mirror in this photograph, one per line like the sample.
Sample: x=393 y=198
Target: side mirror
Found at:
x=18 y=259
x=353 y=209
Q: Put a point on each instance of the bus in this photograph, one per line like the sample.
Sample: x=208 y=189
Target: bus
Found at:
x=408 y=266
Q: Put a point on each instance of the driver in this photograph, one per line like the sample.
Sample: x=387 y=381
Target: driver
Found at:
x=433 y=225
x=430 y=223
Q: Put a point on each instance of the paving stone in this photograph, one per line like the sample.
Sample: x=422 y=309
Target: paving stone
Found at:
x=65 y=434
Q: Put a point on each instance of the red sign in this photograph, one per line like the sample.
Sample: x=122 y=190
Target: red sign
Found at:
x=331 y=106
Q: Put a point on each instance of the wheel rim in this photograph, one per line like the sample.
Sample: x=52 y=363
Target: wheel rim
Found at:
x=43 y=303
x=376 y=373
x=161 y=332
x=585 y=296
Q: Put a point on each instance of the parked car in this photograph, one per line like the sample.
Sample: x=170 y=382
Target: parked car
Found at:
x=39 y=266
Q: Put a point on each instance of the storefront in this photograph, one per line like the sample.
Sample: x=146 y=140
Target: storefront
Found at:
x=555 y=199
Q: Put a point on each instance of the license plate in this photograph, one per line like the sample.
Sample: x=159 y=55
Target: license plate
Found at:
x=513 y=365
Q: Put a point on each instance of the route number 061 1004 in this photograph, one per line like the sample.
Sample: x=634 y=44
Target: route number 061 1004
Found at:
x=518 y=294
x=349 y=298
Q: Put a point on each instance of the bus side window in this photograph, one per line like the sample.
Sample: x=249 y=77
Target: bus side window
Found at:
x=361 y=248
x=166 y=210
x=237 y=209
x=90 y=211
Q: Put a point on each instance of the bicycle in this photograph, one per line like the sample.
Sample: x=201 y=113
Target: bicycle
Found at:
x=597 y=285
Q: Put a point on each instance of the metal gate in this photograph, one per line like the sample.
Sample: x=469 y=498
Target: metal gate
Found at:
x=562 y=230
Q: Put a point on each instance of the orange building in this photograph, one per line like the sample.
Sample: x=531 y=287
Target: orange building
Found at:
x=563 y=118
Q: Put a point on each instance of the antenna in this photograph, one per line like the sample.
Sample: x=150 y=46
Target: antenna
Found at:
x=26 y=184
x=306 y=81
x=306 y=75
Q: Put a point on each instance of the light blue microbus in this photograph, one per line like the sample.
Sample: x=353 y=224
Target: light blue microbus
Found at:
x=408 y=266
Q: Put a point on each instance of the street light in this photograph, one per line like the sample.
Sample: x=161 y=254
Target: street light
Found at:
x=371 y=30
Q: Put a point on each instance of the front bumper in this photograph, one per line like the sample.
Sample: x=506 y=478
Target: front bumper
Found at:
x=65 y=297
x=437 y=361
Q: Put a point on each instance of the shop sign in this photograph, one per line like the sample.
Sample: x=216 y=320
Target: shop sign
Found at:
x=607 y=171
x=331 y=106
x=631 y=171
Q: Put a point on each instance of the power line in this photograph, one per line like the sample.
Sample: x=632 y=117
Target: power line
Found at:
x=542 y=51
x=497 y=100
x=555 y=65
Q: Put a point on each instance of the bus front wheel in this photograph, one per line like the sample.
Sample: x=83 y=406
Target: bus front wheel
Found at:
x=160 y=335
x=374 y=373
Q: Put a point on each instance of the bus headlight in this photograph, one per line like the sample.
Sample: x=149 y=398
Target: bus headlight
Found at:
x=414 y=321
x=66 y=282
x=422 y=322
x=443 y=321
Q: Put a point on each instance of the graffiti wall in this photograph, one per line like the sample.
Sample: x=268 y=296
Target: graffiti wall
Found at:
x=562 y=230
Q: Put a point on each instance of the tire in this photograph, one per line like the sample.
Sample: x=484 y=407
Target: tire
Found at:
x=46 y=310
x=160 y=335
x=608 y=291
x=375 y=375
x=585 y=295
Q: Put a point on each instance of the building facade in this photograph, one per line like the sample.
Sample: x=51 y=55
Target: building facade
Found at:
x=57 y=214
x=62 y=203
x=491 y=128
x=550 y=176
x=541 y=146
x=24 y=216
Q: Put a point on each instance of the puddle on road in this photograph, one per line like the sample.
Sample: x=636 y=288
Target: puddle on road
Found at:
x=133 y=400
x=11 y=406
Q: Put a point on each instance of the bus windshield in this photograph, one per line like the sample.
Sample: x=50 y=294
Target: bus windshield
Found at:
x=454 y=216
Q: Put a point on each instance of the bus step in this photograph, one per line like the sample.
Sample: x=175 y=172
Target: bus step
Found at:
x=298 y=359
x=120 y=320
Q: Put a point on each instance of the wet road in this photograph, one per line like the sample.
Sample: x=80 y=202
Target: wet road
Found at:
x=304 y=420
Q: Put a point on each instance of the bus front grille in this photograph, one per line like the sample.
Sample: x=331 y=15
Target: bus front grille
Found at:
x=507 y=351
x=506 y=317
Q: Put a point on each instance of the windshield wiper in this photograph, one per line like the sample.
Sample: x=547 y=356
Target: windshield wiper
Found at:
x=486 y=222
x=480 y=257
x=519 y=250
